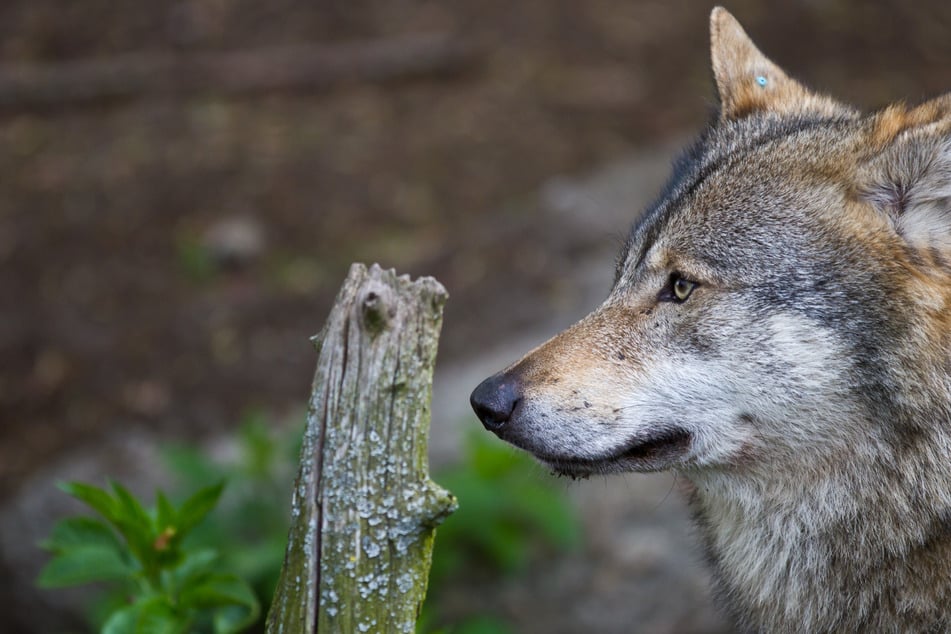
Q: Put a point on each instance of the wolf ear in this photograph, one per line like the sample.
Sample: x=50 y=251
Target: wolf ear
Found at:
x=909 y=175
x=748 y=82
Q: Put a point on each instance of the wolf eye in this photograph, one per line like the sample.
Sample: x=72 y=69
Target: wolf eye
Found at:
x=682 y=288
x=678 y=289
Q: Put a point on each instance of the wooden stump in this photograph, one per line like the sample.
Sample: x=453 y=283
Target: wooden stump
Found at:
x=364 y=510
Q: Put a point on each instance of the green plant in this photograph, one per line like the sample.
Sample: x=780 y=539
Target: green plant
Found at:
x=172 y=585
x=510 y=514
x=250 y=526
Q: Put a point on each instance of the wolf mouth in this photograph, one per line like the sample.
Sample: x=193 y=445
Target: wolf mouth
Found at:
x=653 y=453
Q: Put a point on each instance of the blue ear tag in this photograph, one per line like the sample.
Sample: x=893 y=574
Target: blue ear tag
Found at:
x=762 y=81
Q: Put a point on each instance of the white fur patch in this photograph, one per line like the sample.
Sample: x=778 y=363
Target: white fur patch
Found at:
x=790 y=383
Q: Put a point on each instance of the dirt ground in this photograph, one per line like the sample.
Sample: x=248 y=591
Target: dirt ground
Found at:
x=164 y=258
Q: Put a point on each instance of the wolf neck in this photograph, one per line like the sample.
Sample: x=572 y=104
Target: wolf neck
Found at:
x=834 y=550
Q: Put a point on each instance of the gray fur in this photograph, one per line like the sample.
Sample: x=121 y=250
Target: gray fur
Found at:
x=804 y=387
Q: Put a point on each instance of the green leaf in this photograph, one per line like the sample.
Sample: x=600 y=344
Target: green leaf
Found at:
x=165 y=515
x=133 y=513
x=235 y=618
x=123 y=511
x=233 y=601
x=84 y=564
x=194 y=509
x=94 y=497
x=212 y=590
x=136 y=526
x=99 y=608
x=197 y=565
x=75 y=532
x=122 y=621
x=150 y=615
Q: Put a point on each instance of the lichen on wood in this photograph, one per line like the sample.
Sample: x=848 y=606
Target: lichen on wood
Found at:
x=364 y=509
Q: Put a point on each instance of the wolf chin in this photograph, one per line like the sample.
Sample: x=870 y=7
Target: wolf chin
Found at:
x=777 y=333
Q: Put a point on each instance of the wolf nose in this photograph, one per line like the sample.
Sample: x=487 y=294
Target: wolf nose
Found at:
x=494 y=400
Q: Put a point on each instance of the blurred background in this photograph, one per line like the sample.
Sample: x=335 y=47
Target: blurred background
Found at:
x=184 y=184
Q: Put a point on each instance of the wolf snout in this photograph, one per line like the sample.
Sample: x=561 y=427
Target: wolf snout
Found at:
x=495 y=399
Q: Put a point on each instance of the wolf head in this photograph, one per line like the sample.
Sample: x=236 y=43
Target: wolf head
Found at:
x=788 y=293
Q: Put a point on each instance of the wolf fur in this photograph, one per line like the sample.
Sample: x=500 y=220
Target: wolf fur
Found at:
x=778 y=333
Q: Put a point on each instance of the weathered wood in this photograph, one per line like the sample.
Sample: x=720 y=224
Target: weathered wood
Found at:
x=364 y=509
x=301 y=67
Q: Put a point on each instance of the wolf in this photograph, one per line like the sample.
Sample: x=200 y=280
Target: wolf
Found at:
x=778 y=334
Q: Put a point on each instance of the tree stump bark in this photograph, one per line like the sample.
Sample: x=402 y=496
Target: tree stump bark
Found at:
x=364 y=509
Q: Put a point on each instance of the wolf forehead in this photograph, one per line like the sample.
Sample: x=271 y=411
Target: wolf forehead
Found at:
x=757 y=186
